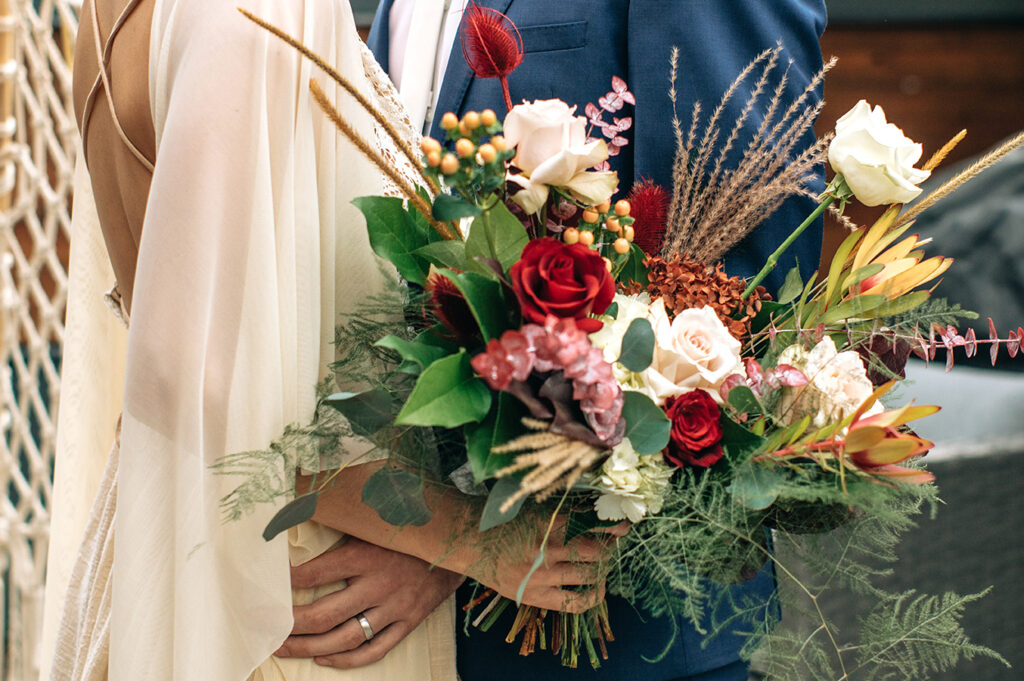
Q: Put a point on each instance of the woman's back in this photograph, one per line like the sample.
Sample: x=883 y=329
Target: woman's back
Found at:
x=120 y=179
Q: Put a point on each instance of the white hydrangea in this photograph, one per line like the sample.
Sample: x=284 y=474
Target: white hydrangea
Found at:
x=837 y=384
x=633 y=485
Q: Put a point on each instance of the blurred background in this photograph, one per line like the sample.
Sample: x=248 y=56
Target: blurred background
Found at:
x=935 y=66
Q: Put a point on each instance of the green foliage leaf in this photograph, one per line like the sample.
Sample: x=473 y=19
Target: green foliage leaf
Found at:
x=633 y=269
x=447 y=394
x=647 y=427
x=755 y=486
x=581 y=522
x=854 y=307
x=496 y=235
x=412 y=351
x=901 y=305
x=537 y=562
x=768 y=309
x=637 y=345
x=501 y=425
x=291 y=514
x=860 y=275
x=738 y=442
x=450 y=253
x=448 y=207
x=395 y=235
x=485 y=299
x=397 y=496
x=503 y=489
x=792 y=287
x=367 y=412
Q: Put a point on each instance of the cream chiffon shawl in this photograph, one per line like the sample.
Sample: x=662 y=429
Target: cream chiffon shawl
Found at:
x=250 y=250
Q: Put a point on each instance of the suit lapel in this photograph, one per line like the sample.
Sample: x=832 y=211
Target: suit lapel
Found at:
x=379 y=40
x=458 y=77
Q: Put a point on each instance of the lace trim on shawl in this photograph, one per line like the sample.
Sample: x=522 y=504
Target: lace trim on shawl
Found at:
x=385 y=98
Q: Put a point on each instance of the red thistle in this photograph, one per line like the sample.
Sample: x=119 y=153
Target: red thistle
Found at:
x=649 y=204
x=450 y=307
x=491 y=45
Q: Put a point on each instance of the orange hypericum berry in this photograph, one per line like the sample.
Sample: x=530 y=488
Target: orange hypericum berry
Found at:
x=605 y=207
x=629 y=233
x=449 y=121
x=488 y=117
x=586 y=237
x=429 y=144
x=499 y=143
x=612 y=225
x=465 y=148
x=449 y=164
x=607 y=264
x=433 y=159
x=590 y=216
x=621 y=246
x=622 y=208
x=571 y=236
x=472 y=120
x=488 y=153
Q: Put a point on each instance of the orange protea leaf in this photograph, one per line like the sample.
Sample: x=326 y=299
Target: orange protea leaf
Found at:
x=877 y=238
x=894 y=448
x=904 y=249
x=912 y=476
x=491 y=45
x=895 y=417
x=864 y=438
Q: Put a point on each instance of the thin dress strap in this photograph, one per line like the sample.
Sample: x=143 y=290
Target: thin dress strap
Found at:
x=103 y=78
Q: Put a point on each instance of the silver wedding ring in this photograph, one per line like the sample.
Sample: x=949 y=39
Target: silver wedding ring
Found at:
x=365 y=624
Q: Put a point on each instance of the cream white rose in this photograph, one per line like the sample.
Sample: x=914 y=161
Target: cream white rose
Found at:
x=692 y=351
x=552 y=151
x=875 y=157
x=837 y=384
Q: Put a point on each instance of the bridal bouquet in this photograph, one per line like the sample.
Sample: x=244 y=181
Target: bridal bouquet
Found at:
x=563 y=354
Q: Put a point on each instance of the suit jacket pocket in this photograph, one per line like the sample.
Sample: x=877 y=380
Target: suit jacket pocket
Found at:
x=552 y=37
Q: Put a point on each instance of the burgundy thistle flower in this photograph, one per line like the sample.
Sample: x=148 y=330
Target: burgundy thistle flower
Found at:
x=491 y=45
x=649 y=204
x=558 y=345
x=447 y=303
x=696 y=433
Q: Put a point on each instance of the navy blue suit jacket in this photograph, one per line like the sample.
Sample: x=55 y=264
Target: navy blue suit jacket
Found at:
x=573 y=48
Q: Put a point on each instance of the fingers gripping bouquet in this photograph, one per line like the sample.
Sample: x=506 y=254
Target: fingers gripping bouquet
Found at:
x=578 y=362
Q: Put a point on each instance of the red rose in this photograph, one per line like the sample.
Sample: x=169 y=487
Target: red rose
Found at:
x=696 y=431
x=569 y=282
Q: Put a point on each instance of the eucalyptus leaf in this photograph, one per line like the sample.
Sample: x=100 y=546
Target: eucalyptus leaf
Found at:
x=792 y=287
x=447 y=394
x=448 y=207
x=744 y=401
x=498 y=235
x=395 y=235
x=647 y=427
x=637 y=345
x=397 y=496
x=367 y=412
x=755 y=486
x=503 y=489
x=291 y=514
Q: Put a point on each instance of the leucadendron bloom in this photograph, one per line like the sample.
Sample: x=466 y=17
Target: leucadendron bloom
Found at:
x=632 y=485
x=552 y=151
x=837 y=384
x=875 y=157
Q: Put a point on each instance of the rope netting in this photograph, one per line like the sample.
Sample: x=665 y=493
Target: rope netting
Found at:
x=37 y=147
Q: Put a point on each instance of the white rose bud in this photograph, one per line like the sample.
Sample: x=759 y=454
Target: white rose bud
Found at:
x=875 y=157
x=552 y=151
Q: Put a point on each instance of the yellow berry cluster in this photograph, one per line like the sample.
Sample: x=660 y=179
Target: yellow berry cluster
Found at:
x=615 y=220
x=477 y=156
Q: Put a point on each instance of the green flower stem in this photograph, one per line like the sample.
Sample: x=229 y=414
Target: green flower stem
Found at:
x=773 y=259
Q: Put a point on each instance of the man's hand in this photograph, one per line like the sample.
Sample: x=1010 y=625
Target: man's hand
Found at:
x=393 y=591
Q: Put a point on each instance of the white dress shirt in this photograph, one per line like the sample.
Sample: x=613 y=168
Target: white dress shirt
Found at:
x=421 y=36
